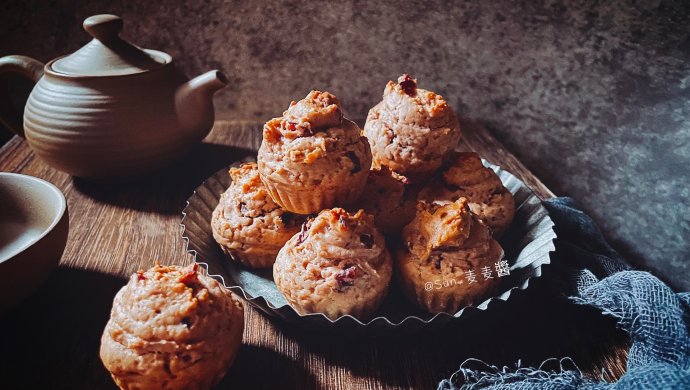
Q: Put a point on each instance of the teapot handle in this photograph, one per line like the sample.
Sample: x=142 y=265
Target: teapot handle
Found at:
x=12 y=68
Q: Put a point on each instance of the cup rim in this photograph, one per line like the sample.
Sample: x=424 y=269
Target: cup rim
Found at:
x=57 y=217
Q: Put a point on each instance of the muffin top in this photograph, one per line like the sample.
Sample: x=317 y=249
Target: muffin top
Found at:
x=318 y=111
x=447 y=237
x=385 y=197
x=249 y=215
x=167 y=305
x=384 y=180
x=313 y=133
x=337 y=248
x=466 y=170
x=412 y=105
x=384 y=189
x=411 y=130
x=467 y=177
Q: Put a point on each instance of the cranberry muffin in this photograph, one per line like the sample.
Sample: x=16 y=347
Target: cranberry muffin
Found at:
x=448 y=258
x=387 y=197
x=466 y=177
x=170 y=328
x=247 y=224
x=411 y=130
x=312 y=158
x=337 y=265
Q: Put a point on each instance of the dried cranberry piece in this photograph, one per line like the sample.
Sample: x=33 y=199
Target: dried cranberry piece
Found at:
x=408 y=85
x=367 y=240
x=302 y=234
x=355 y=161
x=306 y=129
x=346 y=277
x=301 y=129
x=390 y=134
x=437 y=261
x=190 y=276
x=140 y=275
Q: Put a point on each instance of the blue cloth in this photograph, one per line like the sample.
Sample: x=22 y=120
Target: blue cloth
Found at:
x=656 y=318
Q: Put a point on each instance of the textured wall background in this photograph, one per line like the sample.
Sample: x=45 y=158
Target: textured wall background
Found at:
x=594 y=96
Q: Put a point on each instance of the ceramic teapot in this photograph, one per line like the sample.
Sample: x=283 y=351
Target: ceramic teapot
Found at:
x=110 y=109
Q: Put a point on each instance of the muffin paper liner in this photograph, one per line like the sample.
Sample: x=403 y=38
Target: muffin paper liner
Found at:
x=302 y=201
x=527 y=245
x=299 y=201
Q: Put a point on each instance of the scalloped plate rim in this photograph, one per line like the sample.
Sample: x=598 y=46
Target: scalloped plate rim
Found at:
x=483 y=306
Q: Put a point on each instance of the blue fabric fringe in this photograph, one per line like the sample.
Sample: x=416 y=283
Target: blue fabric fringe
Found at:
x=656 y=318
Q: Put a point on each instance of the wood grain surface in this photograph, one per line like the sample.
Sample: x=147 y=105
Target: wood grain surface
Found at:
x=51 y=340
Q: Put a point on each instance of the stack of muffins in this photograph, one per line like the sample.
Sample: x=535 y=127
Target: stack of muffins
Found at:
x=327 y=203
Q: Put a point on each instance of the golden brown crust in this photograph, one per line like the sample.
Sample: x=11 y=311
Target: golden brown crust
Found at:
x=466 y=177
x=441 y=247
x=171 y=327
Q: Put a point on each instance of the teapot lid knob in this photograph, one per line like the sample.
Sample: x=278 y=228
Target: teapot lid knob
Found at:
x=107 y=54
x=103 y=27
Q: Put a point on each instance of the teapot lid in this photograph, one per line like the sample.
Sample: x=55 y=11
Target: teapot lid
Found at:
x=108 y=54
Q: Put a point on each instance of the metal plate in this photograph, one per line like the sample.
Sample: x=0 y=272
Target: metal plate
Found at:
x=527 y=244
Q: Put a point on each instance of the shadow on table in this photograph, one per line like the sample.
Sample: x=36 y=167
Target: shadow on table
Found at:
x=531 y=327
x=166 y=191
x=57 y=329
x=262 y=368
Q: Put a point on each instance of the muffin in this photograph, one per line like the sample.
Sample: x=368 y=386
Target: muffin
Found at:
x=247 y=224
x=337 y=265
x=412 y=130
x=387 y=198
x=467 y=177
x=171 y=328
x=312 y=158
x=448 y=258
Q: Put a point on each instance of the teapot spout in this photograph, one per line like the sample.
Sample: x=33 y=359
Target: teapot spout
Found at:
x=194 y=103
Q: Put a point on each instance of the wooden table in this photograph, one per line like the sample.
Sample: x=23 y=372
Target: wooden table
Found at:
x=51 y=340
